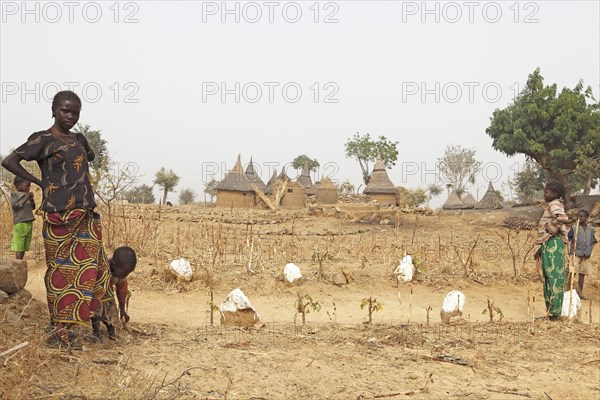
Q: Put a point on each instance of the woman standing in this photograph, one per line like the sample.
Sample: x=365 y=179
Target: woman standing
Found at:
x=552 y=237
x=77 y=269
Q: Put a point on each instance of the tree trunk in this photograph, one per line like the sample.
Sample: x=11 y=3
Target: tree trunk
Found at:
x=556 y=175
x=588 y=185
x=164 y=199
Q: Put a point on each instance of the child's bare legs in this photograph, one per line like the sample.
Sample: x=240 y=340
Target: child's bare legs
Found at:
x=108 y=315
x=580 y=282
x=19 y=255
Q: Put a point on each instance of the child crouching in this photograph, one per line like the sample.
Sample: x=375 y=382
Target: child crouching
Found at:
x=121 y=264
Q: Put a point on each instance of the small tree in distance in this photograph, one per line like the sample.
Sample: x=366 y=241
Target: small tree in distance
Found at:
x=458 y=167
x=210 y=189
x=365 y=150
x=167 y=180
x=346 y=187
x=187 y=196
x=416 y=197
x=140 y=194
x=299 y=161
x=433 y=190
x=529 y=182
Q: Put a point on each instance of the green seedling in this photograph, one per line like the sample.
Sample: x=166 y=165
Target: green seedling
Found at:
x=373 y=306
x=303 y=306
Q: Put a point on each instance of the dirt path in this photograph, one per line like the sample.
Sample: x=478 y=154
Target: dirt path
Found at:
x=339 y=304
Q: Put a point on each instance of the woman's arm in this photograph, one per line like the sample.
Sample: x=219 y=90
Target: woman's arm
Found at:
x=12 y=163
x=88 y=149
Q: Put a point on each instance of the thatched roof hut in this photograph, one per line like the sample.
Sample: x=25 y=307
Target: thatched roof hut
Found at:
x=380 y=187
x=253 y=178
x=235 y=190
x=282 y=174
x=271 y=182
x=453 y=202
x=304 y=178
x=295 y=196
x=313 y=189
x=326 y=192
x=469 y=201
x=490 y=200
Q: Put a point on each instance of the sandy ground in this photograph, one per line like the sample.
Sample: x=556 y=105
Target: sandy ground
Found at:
x=404 y=353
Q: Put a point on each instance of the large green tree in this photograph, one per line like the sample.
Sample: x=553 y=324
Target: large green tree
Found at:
x=559 y=131
x=458 y=167
x=365 y=150
x=167 y=180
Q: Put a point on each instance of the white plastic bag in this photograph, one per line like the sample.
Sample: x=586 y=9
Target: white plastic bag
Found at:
x=291 y=272
x=182 y=269
x=570 y=298
x=453 y=306
x=405 y=270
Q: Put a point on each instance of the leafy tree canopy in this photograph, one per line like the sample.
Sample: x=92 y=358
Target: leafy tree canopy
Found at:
x=365 y=150
x=458 y=167
x=299 y=161
x=559 y=131
x=167 y=180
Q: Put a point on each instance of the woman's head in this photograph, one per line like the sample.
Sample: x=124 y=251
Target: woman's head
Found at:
x=554 y=190
x=66 y=106
x=123 y=262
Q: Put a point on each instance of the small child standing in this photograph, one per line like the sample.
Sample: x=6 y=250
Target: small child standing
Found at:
x=22 y=204
x=121 y=264
x=586 y=240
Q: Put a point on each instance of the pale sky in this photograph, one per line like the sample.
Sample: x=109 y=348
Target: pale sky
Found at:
x=423 y=74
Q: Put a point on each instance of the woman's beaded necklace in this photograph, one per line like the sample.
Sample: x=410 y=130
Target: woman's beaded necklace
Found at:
x=61 y=136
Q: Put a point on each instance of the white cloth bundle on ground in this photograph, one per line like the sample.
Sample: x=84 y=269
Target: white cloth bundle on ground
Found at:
x=453 y=306
x=570 y=298
x=291 y=272
x=405 y=270
x=182 y=269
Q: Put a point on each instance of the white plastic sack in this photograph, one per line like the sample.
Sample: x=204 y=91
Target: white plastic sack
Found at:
x=236 y=300
x=181 y=268
x=573 y=299
x=291 y=272
x=405 y=270
x=453 y=306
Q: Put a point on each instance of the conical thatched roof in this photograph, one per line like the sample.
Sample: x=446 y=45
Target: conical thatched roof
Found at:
x=235 y=180
x=313 y=189
x=453 y=202
x=327 y=192
x=490 y=199
x=304 y=178
x=252 y=177
x=379 y=181
x=469 y=200
x=271 y=182
x=326 y=183
x=283 y=174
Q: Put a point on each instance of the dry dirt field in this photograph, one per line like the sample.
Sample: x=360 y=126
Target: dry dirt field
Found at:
x=171 y=350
